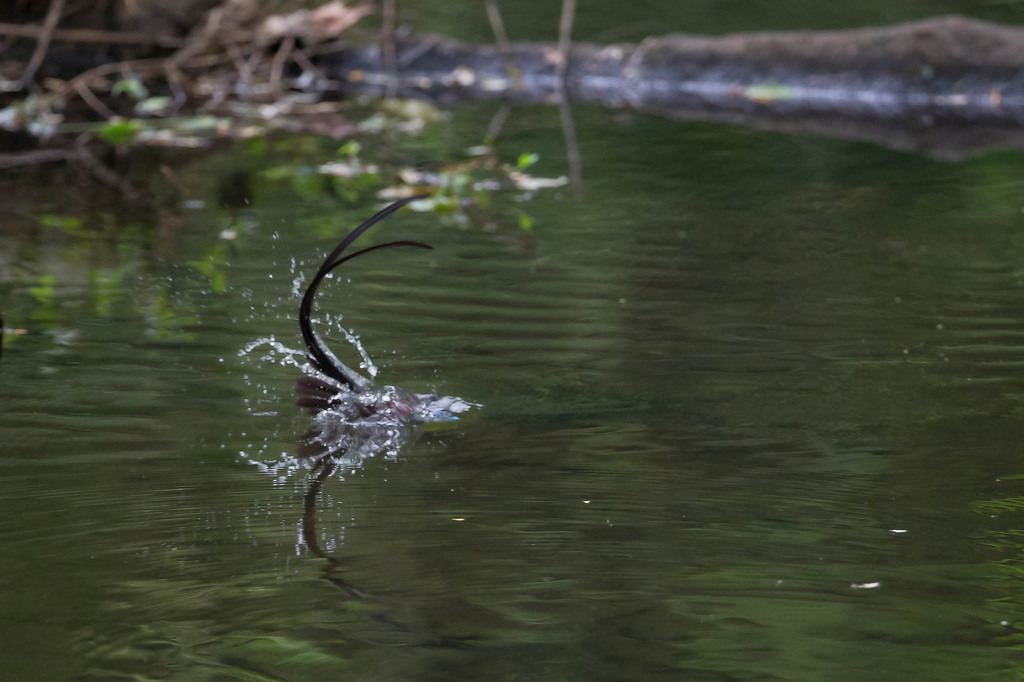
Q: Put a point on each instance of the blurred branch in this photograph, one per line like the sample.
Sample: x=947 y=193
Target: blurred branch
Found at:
x=564 y=108
x=88 y=35
x=501 y=38
x=38 y=156
x=82 y=88
x=565 y=39
x=53 y=15
x=388 y=46
x=496 y=124
x=572 y=148
x=280 y=58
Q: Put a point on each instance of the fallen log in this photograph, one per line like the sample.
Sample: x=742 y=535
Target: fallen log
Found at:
x=949 y=88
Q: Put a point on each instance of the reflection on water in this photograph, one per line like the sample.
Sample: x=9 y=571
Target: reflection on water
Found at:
x=714 y=393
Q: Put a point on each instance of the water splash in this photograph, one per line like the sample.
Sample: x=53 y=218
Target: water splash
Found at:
x=278 y=353
x=298 y=282
x=356 y=425
x=351 y=426
x=367 y=362
x=353 y=420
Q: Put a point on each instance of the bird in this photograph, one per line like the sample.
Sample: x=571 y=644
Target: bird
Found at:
x=354 y=419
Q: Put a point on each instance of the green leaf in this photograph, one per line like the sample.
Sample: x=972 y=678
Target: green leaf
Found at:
x=527 y=160
x=153 y=105
x=350 y=149
x=132 y=87
x=525 y=221
x=120 y=131
x=69 y=224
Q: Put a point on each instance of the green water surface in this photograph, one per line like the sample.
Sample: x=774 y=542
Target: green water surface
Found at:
x=753 y=408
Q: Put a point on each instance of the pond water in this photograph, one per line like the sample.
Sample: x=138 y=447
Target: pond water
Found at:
x=752 y=408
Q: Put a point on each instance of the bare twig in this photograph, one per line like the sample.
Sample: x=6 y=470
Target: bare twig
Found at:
x=82 y=88
x=174 y=78
x=253 y=63
x=280 y=58
x=300 y=58
x=88 y=35
x=501 y=38
x=410 y=55
x=565 y=39
x=204 y=61
x=103 y=173
x=154 y=64
x=172 y=177
x=322 y=48
x=80 y=83
x=241 y=64
x=572 y=148
x=37 y=156
x=207 y=46
x=496 y=124
x=564 y=108
x=43 y=45
x=387 y=46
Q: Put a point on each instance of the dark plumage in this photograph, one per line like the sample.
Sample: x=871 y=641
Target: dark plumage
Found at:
x=316 y=393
